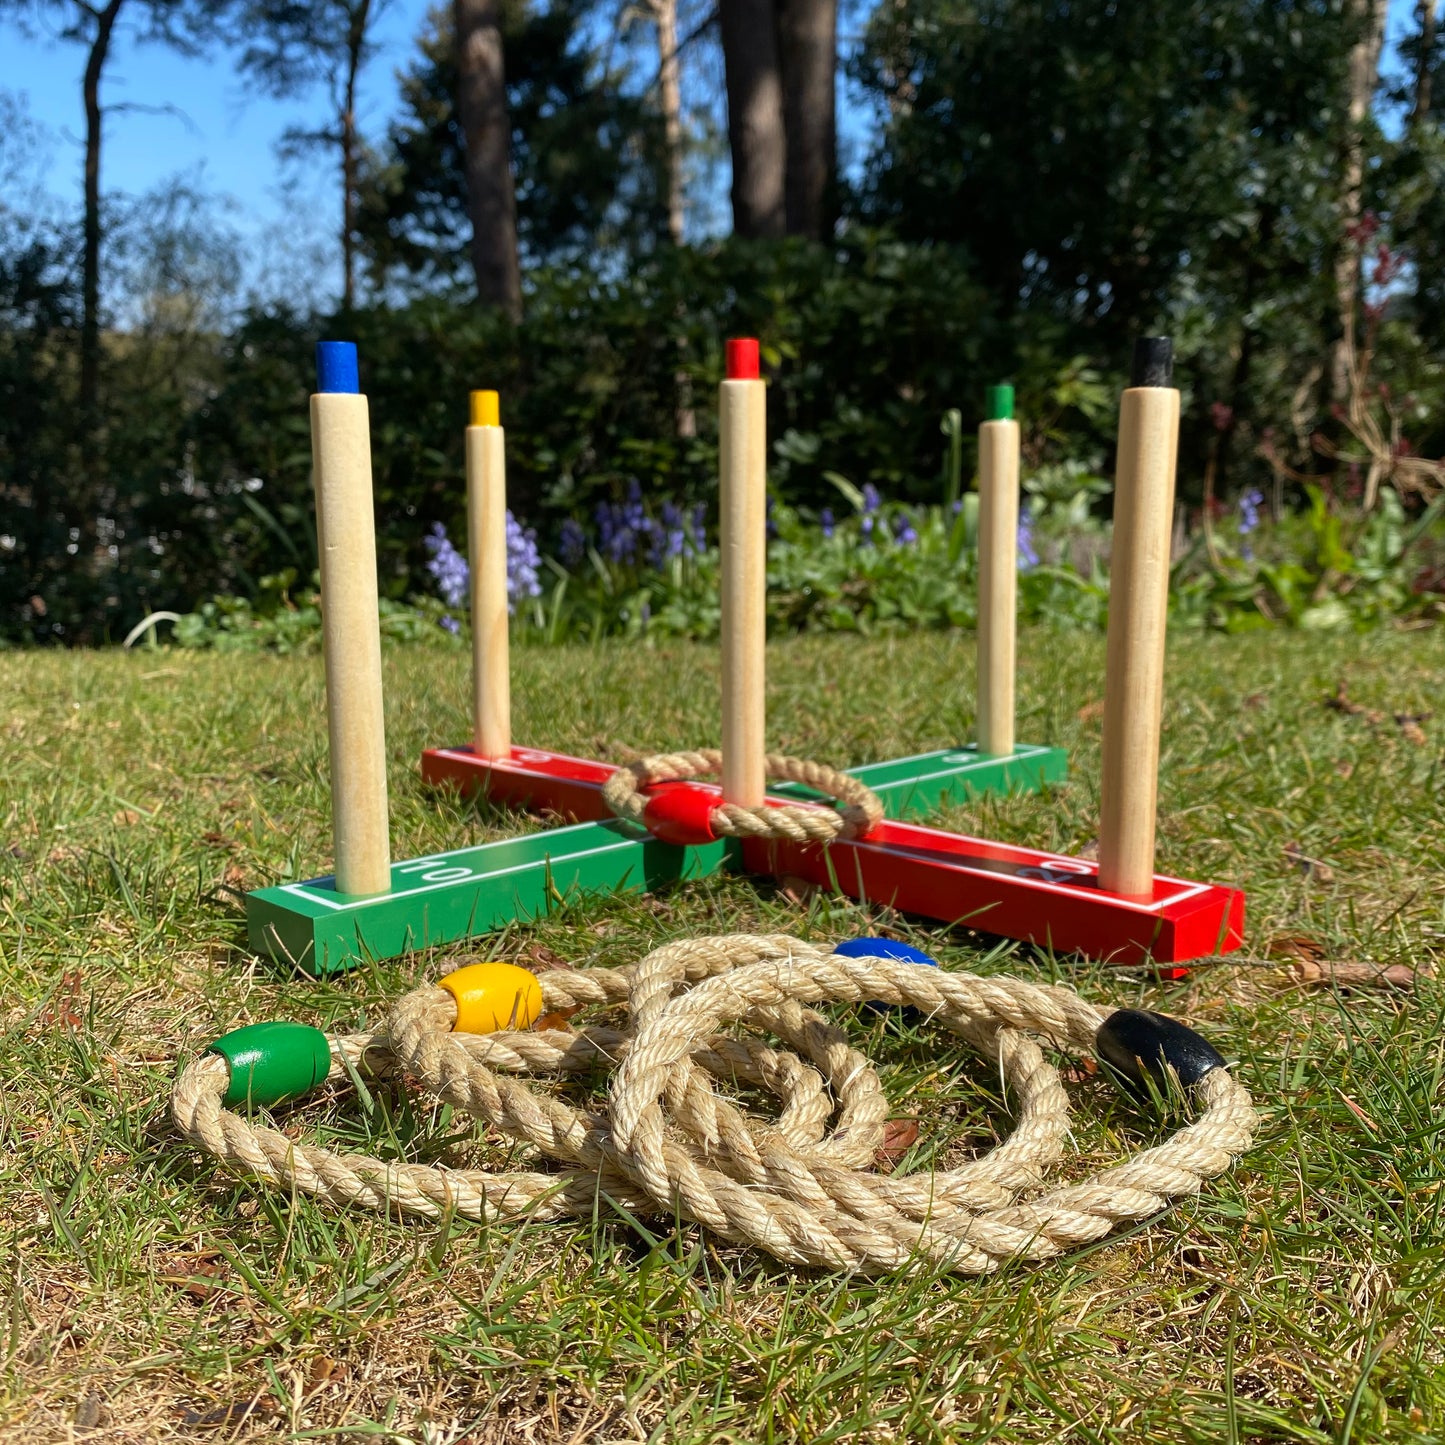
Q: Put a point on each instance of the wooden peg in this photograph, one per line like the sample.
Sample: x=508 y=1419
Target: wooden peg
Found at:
x=487 y=549
x=350 y=623
x=998 y=525
x=1138 y=610
x=743 y=484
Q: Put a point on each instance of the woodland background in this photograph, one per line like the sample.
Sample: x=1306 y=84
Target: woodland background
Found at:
x=577 y=200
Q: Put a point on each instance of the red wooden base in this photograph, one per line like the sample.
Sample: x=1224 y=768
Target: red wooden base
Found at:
x=541 y=781
x=1043 y=898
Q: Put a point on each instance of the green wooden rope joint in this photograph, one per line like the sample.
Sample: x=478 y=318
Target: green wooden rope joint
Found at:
x=273 y=1061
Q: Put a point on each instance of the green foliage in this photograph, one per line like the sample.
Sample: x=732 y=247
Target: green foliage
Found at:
x=1118 y=169
x=894 y=568
x=1320 y=570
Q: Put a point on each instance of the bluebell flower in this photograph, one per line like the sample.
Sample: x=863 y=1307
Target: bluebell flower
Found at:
x=1028 y=555
x=671 y=539
x=699 y=528
x=447 y=566
x=1249 y=505
x=872 y=498
x=450 y=624
x=825 y=521
x=523 y=562
x=572 y=543
x=904 y=532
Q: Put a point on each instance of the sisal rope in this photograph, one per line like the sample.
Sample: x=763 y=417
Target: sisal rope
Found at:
x=862 y=811
x=666 y=1143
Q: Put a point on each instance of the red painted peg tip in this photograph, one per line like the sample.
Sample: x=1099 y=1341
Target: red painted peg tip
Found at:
x=742 y=358
x=680 y=813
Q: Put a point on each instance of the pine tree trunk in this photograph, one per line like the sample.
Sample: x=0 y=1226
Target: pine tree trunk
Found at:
x=669 y=83
x=755 y=116
x=1420 y=111
x=1364 y=74
x=90 y=262
x=487 y=132
x=808 y=50
x=355 y=43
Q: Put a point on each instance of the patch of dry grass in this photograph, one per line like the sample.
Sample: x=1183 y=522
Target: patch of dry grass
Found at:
x=148 y=1298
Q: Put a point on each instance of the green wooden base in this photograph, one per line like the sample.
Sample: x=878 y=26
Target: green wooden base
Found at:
x=917 y=786
x=470 y=891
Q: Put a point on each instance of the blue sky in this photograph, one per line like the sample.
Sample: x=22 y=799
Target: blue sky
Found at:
x=223 y=137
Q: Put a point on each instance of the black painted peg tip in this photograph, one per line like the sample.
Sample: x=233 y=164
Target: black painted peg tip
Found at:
x=1153 y=362
x=1138 y=1045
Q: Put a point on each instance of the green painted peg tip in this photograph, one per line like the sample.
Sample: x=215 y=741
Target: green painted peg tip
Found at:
x=1000 y=403
x=273 y=1061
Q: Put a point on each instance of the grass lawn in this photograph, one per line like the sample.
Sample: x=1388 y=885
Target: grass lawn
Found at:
x=150 y=1297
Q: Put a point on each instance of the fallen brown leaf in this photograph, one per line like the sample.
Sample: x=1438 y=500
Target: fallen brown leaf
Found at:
x=899 y=1136
x=218 y=840
x=125 y=817
x=326 y=1371
x=1256 y=700
x=1310 y=867
x=1079 y=1073
x=1091 y=711
x=1344 y=769
x=796 y=890
x=1410 y=729
x=65 y=1010
x=1294 y=945
x=1340 y=702
x=541 y=959
x=235 y=1412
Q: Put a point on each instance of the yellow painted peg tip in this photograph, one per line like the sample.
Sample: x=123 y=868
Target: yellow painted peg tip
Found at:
x=493 y=996
x=486 y=409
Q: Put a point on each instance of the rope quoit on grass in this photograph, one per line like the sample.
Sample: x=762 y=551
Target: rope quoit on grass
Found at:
x=797 y=1185
x=862 y=811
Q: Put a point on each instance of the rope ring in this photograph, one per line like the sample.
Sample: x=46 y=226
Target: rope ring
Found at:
x=889 y=1235
x=796 y=1186
x=679 y=819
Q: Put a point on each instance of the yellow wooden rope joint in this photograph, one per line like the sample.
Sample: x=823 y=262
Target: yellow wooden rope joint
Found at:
x=493 y=996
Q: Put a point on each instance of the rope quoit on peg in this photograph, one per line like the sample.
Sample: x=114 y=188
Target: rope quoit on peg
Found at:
x=687 y=816
x=797 y=1184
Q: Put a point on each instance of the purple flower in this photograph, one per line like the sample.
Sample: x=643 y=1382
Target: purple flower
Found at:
x=447 y=566
x=904 y=532
x=825 y=521
x=523 y=560
x=699 y=528
x=872 y=499
x=450 y=624
x=622 y=525
x=572 y=542
x=1028 y=556
x=1249 y=505
x=671 y=539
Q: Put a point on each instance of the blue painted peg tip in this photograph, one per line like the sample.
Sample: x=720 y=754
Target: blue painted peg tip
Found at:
x=891 y=949
x=888 y=948
x=336 y=368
